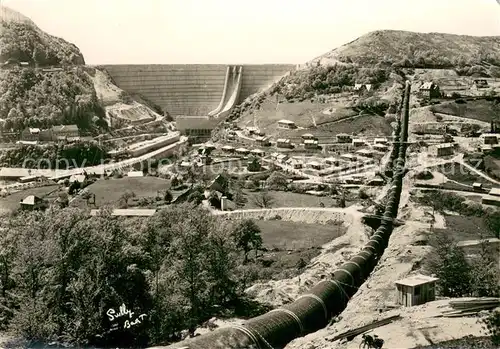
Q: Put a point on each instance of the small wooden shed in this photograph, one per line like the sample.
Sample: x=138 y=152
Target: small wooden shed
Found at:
x=416 y=290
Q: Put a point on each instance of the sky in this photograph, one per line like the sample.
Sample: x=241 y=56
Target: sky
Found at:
x=242 y=32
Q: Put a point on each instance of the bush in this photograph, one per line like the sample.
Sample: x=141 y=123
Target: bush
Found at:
x=492 y=326
x=424 y=175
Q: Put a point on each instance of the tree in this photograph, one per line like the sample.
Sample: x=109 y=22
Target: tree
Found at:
x=247 y=236
x=124 y=199
x=239 y=198
x=263 y=199
x=492 y=221
x=86 y=195
x=277 y=181
x=485 y=279
x=168 y=196
x=74 y=187
x=449 y=264
x=63 y=200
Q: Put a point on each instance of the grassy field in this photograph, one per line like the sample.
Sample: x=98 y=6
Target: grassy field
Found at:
x=11 y=202
x=296 y=235
x=477 y=110
x=464 y=343
x=462 y=228
x=370 y=125
x=289 y=199
x=305 y=114
x=109 y=191
x=288 y=242
x=457 y=172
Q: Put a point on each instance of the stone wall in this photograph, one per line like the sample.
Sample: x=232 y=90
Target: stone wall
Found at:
x=193 y=89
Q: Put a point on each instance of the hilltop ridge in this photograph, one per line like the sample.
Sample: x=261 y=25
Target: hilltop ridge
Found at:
x=21 y=40
x=416 y=50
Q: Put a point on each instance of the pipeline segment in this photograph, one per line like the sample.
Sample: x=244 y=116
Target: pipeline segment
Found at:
x=312 y=311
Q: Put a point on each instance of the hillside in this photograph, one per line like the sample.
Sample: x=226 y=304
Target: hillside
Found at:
x=419 y=50
x=22 y=41
x=382 y=59
x=53 y=86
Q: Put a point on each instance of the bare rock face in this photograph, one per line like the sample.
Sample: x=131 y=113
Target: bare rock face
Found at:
x=22 y=41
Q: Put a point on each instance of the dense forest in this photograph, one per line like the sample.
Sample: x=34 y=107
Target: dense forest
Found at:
x=54 y=156
x=22 y=41
x=62 y=270
x=30 y=97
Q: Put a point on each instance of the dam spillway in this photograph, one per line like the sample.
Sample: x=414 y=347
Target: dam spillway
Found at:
x=192 y=89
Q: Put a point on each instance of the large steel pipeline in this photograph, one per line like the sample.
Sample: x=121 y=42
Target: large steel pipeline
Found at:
x=313 y=311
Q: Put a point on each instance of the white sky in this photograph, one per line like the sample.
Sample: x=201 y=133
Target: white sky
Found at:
x=237 y=31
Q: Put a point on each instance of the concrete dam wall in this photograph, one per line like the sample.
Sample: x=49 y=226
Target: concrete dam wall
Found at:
x=192 y=89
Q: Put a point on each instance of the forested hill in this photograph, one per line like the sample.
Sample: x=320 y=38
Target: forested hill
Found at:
x=50 y=87
x=417 y=50
x=21 y=40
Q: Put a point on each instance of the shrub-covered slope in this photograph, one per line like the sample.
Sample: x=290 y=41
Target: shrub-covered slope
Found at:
x=31 y=97
x=419 y=50
x=21 y=40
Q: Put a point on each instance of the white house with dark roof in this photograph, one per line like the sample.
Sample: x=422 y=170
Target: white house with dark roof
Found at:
x=286 y=124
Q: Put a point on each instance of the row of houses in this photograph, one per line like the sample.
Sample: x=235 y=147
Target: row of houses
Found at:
x=55 y=133
x=430 y=89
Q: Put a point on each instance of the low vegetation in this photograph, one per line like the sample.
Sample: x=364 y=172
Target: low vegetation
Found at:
x=53 y=156
x=418 y=50
x=62 y=270
x=303 y=84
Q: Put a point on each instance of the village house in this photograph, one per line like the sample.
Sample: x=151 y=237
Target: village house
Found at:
x=315 y=165
x=382 y=141
x=242 y=151
x=489 y=138
x=349 y=157
x=228 y=149
x=380 y=147
x=80 y=178
x=310 y=144
x=479 y=84
x=263 y=141
x=365 y=152
x=444 y=149
x=362 y=88
x=282 y=158
x=343 y=138
x=358 y=142
x=251 y=130
x=283 y=143
x=491 y=200
x=307 y=136
x=258 y=152
x=294 y=163
x=332 y=161
x=416 y=290
x=33 y=202
x=429 y=90
x=286 y=124
x=66 y=131
x=220 y=184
